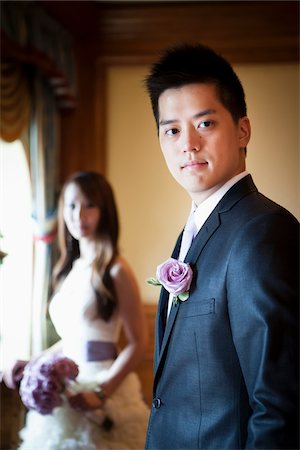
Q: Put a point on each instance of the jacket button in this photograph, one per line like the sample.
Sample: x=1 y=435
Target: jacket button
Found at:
x=156 y=403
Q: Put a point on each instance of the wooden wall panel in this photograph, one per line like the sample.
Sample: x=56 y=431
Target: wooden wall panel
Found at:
x=145 y=368
x=78 y=126
x=243 y=31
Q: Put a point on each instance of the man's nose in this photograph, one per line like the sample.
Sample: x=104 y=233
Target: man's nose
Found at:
x=191 y=140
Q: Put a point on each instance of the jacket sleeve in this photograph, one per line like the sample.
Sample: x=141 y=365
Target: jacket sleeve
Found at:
x=263 y=295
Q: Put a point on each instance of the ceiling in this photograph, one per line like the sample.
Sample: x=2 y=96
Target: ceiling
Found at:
x=243 y=31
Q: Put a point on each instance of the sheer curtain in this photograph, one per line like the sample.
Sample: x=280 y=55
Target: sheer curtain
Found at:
x=37 y=80
x=43 y=138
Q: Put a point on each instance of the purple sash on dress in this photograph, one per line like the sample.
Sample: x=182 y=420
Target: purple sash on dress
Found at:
x=100 y=351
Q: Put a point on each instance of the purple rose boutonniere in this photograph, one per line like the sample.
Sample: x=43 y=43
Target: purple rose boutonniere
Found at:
x=176 y=277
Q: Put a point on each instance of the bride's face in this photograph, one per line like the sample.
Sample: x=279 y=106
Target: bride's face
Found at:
x=80 y=214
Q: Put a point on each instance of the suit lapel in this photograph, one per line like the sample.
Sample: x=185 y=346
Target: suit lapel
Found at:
x=208 y=229
x=238 y=191
x=198 y=244
x=244 y=187
x=161 y=317
x=163 y=304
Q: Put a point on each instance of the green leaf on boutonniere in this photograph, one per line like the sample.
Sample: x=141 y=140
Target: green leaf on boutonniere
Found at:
x=183 y=297
x=153 y=281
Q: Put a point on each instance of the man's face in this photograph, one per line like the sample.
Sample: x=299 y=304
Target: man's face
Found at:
x=202 y=145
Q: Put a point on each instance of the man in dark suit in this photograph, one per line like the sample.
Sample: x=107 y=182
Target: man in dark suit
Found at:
x=226 y=358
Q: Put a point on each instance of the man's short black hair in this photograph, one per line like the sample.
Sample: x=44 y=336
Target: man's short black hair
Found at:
x=187 y=64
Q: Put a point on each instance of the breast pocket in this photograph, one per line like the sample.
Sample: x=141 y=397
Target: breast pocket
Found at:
x=199 y=308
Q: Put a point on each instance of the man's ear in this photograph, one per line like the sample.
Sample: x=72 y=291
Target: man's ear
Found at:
x=244 y=131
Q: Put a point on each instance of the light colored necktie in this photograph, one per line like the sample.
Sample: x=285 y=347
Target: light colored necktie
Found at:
x=189 y=232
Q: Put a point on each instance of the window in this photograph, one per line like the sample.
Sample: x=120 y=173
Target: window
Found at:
x=17 y=242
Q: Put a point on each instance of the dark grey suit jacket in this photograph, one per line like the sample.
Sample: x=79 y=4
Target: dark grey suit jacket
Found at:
x=226 y=363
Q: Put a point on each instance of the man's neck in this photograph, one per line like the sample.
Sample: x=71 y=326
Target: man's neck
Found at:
x=200 y=197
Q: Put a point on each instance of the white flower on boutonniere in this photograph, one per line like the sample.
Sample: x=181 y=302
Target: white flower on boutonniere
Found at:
x=176 y=277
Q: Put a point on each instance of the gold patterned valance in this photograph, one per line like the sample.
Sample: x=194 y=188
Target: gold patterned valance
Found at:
x=14 y=101
x=30 y=36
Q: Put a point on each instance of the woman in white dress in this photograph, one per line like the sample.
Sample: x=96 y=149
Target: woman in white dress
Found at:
x=96 y=294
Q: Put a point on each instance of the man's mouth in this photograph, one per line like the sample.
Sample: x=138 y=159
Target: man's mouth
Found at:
x=194 y=164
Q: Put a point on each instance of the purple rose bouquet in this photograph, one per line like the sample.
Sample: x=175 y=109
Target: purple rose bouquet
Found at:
x=176 y=277
x=44 y=380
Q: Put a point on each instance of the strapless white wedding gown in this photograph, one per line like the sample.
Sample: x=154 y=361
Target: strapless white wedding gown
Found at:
x=74 y=315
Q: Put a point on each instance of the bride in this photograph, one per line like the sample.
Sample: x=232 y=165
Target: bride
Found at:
x=96 y=294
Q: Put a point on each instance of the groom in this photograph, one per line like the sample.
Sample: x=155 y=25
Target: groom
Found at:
x=226 y=358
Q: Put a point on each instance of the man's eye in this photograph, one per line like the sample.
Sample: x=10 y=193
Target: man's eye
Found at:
x=172 y=131
x=206 y=124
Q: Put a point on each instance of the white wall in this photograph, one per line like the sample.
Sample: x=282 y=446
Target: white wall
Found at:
x=152 y=207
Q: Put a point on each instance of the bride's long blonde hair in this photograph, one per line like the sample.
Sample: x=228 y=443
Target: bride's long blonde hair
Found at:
x=96 y=189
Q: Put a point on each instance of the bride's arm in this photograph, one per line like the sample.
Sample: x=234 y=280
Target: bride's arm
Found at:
x=134 y=322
